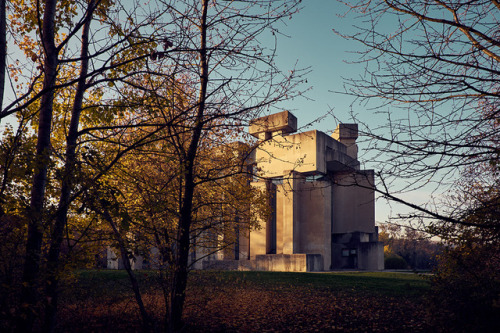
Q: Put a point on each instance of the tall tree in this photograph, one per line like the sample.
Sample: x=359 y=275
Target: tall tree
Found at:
x=35 y=227
x=466 y=283
x=57 y=236
x=140 y=199
x=217 y=51
x=50 y=92
x=3 y=49
x=210 y=52
x=210 y=46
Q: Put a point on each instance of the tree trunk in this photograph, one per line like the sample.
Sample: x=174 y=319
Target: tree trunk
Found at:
x=181 y=270
x=146 y=320
x=3 y=48
x=3 y=63
x=35 y=228
x=56 y=239
x=185 y=219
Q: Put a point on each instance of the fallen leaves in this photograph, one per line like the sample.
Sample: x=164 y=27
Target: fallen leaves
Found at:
x=233 y=303
x=300 y=309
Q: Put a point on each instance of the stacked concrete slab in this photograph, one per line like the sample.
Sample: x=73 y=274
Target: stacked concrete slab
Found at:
x=323 y=204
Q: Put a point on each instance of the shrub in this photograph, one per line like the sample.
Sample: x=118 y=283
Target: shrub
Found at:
x=465 y=292
x=12 y=234
x=394 y=261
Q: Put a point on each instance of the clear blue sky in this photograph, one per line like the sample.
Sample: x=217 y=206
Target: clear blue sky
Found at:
x=313 y=44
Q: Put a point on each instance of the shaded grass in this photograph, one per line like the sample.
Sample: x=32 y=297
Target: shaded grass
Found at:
x=102 y=301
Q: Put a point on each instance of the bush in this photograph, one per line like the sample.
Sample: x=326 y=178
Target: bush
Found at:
x=12 y=235
x=394 y=261
x=465 y=292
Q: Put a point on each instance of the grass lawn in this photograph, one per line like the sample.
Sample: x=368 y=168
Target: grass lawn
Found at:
x=376 y=283
x=254 y=302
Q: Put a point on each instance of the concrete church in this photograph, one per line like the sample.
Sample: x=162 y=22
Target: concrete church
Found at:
x=323 y=205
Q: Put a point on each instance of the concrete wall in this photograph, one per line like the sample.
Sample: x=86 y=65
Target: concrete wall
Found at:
x=347 y=135
x=258 y=237
x=302 y=221
x=357 y=251
x=371 y=256
x=264 y=127
x=244 y=243
x=307 y=152
x=114 y=260
x=280 y=199
x=309 y=213
x=296 y=152
x=316 y=217
x=275 y=262
x=290 y=217
x=354 y=206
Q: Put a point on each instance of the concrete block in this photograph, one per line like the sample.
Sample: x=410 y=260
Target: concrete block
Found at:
x=345 y=131
x=283 y=122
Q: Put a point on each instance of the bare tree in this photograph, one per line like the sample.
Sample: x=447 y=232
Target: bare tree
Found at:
x=432 y=74
x=212 y=47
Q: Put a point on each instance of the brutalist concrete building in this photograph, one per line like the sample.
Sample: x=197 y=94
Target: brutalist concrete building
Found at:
x=323 y=205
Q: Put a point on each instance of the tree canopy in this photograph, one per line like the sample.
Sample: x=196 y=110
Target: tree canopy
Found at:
x=105 y=91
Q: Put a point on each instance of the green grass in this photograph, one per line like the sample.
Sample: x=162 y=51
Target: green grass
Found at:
x=101 y=282
x=381 y=283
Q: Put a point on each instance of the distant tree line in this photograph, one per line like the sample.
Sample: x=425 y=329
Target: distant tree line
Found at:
x=406 y=248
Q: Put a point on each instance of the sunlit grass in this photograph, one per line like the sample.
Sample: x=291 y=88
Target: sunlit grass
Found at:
x=385 y=283
x=101 y=282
